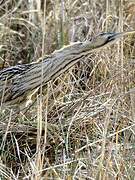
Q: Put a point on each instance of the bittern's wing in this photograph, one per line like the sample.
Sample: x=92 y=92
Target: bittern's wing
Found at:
x=6 y=78
x=8 y=73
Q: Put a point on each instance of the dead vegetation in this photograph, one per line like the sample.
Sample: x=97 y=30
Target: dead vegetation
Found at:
x=82 y=125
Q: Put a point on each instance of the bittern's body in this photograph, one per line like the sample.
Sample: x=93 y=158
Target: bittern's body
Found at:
x=19 y=81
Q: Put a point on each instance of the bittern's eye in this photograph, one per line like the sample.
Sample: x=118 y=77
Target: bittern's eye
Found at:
x=111 y=37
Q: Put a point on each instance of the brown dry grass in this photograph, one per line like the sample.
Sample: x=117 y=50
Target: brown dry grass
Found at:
x=83 y=127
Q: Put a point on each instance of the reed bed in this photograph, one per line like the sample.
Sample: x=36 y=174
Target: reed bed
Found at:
x=82 y=124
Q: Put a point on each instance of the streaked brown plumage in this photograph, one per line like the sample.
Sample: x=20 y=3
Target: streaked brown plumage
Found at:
x=17 y=82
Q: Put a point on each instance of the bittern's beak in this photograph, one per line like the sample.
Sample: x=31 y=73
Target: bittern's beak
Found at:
x=116 y=36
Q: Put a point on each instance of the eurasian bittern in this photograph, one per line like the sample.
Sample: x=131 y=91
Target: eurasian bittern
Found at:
x=17 y=82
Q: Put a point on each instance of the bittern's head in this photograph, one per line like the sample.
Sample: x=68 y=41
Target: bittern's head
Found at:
x=107 y=38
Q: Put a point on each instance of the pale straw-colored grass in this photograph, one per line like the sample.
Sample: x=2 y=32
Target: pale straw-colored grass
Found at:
x=82 y=125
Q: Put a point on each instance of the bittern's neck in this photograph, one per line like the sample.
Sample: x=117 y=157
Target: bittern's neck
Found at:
x=78 y=48
x=90 y=46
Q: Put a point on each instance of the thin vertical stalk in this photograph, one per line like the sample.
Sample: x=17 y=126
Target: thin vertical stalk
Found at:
x=121 y=56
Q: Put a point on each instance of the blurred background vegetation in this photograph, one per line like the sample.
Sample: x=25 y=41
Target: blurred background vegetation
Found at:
x=84 y=128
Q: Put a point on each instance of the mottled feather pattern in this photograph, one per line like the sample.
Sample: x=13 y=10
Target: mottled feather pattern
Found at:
x=17 y=82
